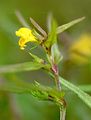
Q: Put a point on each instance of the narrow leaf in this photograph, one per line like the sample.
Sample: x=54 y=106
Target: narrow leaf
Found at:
x=17 y=90
x=36 y=58
x=86 y=88
x=38 y=27
x=56 y=55
x=81 y=94
x=28 y=66
x=21 y=19
x=37 y=90
x=64 y=27
x=52 y=37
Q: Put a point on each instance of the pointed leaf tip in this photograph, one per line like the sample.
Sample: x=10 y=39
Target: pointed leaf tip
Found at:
x=64 y=27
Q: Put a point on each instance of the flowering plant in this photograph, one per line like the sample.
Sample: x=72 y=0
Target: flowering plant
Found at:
x=48 y=41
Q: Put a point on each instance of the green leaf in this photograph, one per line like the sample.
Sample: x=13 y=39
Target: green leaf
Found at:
x=36 y=58
x=38 y=27
x=56 y=55
x=37 y=90
x=81 y=94
x=86 y=88
x=64 y=27
x=52 y=37
x=27 y=66
x=21 y=19
x=17 y=90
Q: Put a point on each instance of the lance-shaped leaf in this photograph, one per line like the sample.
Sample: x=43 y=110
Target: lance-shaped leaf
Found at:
x=36 y=58
x=56 y=54
x=64 y=27
x=27 y=66
x=86 y=88
x=81 y=94
x=37 y=90
x=38 y=27
x=21 y=19
x=52 y=36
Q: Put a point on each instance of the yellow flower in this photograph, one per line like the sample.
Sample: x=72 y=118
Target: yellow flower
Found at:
x=80 y=50
x=26 y=36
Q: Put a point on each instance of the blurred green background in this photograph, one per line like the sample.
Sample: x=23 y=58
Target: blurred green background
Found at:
x=25 y=107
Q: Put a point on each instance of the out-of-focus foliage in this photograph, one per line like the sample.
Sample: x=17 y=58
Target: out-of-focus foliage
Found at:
x=24 y=107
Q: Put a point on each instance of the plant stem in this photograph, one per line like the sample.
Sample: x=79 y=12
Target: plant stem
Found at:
x=62 y=113
x=56 y=74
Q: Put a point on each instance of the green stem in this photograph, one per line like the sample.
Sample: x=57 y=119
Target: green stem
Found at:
x=56 y=74
x=62 y=114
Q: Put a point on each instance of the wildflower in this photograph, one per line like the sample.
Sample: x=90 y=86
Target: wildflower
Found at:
x=26 y=35
x=80 y=51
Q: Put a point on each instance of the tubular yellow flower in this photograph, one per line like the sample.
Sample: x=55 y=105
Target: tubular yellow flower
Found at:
x=26 y=36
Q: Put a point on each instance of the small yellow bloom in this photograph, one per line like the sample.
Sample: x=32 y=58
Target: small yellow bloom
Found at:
x=80 y=50
x=26 y=36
